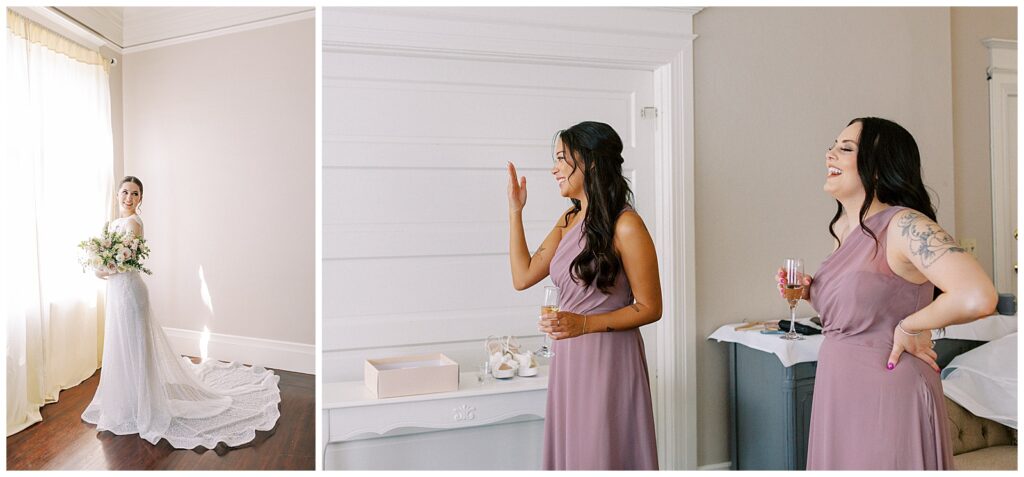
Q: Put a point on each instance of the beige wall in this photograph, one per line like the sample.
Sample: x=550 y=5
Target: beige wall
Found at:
x=968 y=26
x=222 y=133
x=773 y=87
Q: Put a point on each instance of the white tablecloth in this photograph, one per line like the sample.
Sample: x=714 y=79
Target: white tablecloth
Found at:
x=789 y=352
x=793 y=352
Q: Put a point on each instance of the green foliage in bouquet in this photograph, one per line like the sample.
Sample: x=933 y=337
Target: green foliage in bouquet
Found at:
x=114 y=252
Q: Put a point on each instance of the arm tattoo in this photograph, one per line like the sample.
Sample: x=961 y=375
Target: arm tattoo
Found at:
x=635 y=307
x=609 y=329
x=927 y=239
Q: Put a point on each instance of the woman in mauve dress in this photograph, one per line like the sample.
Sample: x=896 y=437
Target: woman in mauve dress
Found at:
x=599 y=412
x=878 y=401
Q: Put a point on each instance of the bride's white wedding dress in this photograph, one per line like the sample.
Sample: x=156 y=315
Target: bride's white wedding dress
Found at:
x=147 y=389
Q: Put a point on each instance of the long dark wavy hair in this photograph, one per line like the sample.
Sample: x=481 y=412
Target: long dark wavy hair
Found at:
x=597 y=148
x=889 y=166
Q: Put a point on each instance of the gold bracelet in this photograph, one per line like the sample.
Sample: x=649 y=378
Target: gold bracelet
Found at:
x=584 y=324
x=900 y=326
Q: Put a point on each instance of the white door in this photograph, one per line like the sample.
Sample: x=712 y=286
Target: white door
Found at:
x=415 y=212
x=1011 y=162
x=1003 y=136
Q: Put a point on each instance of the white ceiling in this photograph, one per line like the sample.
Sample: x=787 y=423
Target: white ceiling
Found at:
x=129 y=27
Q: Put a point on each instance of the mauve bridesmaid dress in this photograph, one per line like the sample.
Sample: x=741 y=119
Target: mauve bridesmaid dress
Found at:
x=599 y=412
x=864 y=416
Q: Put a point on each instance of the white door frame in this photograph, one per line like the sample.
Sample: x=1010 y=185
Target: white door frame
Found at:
x=652 y=39
x=1002 y=73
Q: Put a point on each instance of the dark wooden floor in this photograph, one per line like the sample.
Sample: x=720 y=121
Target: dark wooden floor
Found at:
x=63 y=441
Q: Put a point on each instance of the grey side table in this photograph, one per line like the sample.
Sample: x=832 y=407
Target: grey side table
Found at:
x=770 y=408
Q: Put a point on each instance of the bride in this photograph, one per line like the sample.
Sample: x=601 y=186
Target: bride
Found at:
x=147 y=389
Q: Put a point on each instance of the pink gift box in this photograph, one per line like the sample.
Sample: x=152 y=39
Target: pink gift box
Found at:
x=409 y=375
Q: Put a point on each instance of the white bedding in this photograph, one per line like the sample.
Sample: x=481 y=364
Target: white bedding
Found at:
x=984 y=380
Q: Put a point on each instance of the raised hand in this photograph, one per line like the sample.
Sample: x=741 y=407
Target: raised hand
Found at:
x=516 y=190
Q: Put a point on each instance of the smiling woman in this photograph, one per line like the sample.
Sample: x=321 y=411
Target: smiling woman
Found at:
x=179 y=112
x=147 y=389
x=599 y=253
x=878 y=401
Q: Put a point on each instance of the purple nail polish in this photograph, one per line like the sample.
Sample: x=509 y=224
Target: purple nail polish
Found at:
x=890 y=366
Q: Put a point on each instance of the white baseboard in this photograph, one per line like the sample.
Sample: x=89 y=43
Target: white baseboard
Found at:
x=718 y=466
x=284 y=355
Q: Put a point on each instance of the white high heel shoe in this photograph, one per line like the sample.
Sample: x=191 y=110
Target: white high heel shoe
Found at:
x=527 y=363
x=503 y=364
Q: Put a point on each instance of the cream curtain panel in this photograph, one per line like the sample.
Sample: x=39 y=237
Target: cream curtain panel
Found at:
x=56 y=182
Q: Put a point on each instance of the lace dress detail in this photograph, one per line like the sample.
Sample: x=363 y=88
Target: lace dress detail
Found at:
x=147 y=389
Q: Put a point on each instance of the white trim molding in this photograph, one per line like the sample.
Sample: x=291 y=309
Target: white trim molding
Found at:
x=127 y=30
x=1002 y=73
x=284 y=355
x=498 y=34
x=61 y=25
x=220 y=31
x=674 y=195
x=659 y=40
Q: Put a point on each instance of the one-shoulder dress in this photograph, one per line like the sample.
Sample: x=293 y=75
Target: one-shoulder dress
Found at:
x=599 y=411
x=864 y=416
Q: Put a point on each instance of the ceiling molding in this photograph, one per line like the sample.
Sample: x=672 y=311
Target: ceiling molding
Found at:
x=253 y=25
x=108 y=22
x=593 y=37
x=134 y=29
x=65 y=26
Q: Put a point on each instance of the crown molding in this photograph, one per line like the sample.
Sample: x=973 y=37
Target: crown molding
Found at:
x=66 y=26
x=591 y=38
x=220 y=31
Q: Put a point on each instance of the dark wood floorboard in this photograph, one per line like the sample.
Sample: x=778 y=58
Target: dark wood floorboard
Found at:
x=63 y=441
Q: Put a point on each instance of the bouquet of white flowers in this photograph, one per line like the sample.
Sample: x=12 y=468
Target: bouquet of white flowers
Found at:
x=114 y=252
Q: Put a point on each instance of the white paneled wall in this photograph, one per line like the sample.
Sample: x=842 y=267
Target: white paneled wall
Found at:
x=422 y=109
x=415 y=211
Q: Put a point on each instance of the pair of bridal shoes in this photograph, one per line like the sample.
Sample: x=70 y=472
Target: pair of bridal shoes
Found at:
x=508 y=359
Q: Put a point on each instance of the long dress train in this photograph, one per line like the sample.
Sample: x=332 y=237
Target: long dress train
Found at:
x=147 y=389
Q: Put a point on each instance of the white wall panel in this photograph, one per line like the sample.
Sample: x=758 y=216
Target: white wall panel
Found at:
x=415 y=212
x=422 y=109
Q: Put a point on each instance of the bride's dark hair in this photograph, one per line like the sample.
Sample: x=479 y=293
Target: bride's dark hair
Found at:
x=597 y=148
x=133 y=180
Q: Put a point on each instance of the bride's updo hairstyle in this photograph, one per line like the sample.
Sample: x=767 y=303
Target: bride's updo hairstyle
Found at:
x=133 y=180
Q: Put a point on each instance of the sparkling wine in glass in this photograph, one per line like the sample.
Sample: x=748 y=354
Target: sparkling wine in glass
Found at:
x=794 y=289
x=552 y=298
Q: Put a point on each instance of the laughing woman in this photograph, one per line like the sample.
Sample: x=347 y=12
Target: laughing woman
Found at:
x=599 y=413
x=878 y=401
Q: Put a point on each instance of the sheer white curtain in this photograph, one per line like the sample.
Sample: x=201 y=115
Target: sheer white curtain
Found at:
x=56 y=181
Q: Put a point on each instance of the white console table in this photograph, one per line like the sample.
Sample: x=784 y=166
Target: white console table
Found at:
x=351 y=412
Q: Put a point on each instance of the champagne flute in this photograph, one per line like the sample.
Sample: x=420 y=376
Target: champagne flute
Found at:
x=552 y=298
x=793 y=291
